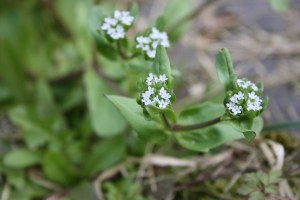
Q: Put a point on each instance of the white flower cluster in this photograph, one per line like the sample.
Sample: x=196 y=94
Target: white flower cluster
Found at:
x=115 y=26
x=249 y=100
x=254 y=102
x=156 y=94
x=234 y=103
x=246 y=84
x=149 y=44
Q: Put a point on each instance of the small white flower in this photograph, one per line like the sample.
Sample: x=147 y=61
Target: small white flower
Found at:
x=254 y=87
x=127 y=20
x=150 y=90
x=235 y=109
x=240 y=95
x=115 y=26
x=111 y=21
x=150 y=79
x=163 y=104
x=150 y=43
x=254 y=103
x=163 y=78
x=234 y=99
x=151 y=53
x=156 y=99
x=252 y=95
x=164 y=94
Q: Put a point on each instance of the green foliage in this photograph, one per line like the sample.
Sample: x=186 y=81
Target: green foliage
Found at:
x=225 y=70
x=126 y=189
x=260 y=185
x=58 y=169
x=21 y=158
x=182 y=9
x=207 y=138
x=161 y=64
x=60 y=76
x=106 y=120
x=151 y=131
x=99 y=159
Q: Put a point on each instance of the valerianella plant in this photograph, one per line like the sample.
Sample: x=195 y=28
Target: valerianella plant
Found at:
x=202 y=126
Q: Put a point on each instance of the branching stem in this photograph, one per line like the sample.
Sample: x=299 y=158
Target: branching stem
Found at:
x=123 y=54
x=177 y=127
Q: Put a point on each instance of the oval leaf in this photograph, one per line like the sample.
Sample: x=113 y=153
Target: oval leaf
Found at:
x=207 y=138
x=99 y=159
x=151 y=131
x=161 y=64
x=249 y=136
x=57 y=168
x=106 y=119
x=21 y=158
x=225 y=70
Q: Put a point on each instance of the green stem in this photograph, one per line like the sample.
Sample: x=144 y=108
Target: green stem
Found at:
x=177 y=127
x=123 y=54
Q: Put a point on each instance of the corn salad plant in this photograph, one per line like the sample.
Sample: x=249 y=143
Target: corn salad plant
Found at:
x=84 y=90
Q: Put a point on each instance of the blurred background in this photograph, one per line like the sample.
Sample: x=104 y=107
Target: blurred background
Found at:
x=46 y=44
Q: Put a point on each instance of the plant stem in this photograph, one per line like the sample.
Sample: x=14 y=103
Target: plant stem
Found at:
x=177 y=127
x=112 y=84
x=123 y=54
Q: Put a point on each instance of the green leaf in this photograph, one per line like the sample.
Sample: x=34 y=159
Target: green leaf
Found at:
x=279 y=5
x=272 y=189
x=57 y=168
x=245 y=189
x=160 y=23
x=225 y=70
x=247 y=124
x=134 y=11
x=182 y=9
x=125 y=189
x=99 y=158
x=161 y=63
x=257 y=196
x=106 y=120
x=46 y=107
x=274 y=177
x=82 y=191
x=206 y=138
x=21 y=158
x=249 y=135
x=95 y=19
x=35 y=133
x=266 y=102
x=152 y=131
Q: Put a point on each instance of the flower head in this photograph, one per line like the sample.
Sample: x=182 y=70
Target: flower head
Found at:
x=149 y=44
x=244 y=100
x=156 y=91
x=115 y=26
